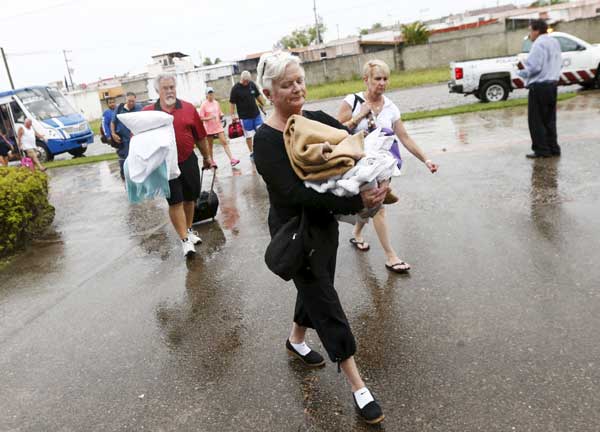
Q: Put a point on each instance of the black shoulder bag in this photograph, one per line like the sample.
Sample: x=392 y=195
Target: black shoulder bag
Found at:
x=286 y=252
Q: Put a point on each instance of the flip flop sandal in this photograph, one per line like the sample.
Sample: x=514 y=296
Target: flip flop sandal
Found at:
x=360 y=245
x=395 y=267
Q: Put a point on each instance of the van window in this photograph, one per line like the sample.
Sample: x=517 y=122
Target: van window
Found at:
x=45 y=103
x=18 y=114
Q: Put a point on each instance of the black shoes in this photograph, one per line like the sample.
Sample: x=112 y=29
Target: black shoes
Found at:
x=312 y=359
x=540 y=156
x=371 y=413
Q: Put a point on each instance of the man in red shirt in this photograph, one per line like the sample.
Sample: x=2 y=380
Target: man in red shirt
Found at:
x=189 y=132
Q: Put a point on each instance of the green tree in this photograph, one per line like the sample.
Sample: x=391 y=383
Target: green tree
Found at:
x=217 y=60
x=546 y=3
x=375 y=27
x=415 y=33
x=302 y=37
x=207 y=61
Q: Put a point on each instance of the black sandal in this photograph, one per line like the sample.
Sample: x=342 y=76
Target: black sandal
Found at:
x=395 y=267
x=360 y=245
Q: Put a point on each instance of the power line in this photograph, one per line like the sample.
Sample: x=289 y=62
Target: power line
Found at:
x=12 y=85
x=68 y=68
x=35 y=11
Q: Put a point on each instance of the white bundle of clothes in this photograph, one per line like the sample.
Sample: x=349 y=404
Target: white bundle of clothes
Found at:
x=377 y=165
x=152 y=159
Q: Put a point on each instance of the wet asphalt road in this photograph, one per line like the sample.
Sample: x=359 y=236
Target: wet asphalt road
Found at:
x=104 y=327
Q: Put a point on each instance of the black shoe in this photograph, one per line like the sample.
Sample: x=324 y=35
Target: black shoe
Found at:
x=312 y=359
x=371 y=413
x=537 y=155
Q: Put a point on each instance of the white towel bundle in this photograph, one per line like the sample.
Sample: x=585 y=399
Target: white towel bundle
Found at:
x=153 y=143
x=377 y=165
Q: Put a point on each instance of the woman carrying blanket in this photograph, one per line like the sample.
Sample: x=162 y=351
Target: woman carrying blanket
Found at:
x=317 y=302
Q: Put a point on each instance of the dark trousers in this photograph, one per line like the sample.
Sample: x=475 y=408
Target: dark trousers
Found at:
x=123 y=152
x=317 y=303
x=542 y=119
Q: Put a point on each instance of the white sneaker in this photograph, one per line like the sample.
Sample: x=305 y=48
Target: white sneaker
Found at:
x=188 y=248
x=193 y=237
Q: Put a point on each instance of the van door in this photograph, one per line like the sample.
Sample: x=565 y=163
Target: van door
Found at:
x=7 y=127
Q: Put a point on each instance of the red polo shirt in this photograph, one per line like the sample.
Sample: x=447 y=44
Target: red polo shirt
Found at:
x=187 y=124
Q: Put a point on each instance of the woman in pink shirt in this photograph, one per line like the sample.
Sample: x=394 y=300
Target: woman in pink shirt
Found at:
x=211 y=114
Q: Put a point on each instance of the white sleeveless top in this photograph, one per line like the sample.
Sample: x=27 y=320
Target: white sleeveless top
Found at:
x=28 y=138
x=387 y=117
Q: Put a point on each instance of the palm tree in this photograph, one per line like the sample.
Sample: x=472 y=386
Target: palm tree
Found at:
x=415 y=33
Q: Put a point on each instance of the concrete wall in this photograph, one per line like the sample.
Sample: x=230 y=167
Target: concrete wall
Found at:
x=345 y=68
x=473 y=32
x=494 y=42
x=586 y=29
x=139 y=87
x=86 y=102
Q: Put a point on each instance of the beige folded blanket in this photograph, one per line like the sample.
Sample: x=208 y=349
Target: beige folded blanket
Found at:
x=317 y=151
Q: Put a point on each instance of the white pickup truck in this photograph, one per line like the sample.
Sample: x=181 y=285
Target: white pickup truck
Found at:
x=492 y=80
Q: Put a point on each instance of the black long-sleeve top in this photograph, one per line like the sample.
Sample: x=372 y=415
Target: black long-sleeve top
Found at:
x=287 y=192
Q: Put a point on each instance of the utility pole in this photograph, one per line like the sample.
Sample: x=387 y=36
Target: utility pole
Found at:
x=68 y=68
x=12 y=86
x=319 y=40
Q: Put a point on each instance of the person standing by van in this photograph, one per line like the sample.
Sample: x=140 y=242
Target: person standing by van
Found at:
x=26 y=137
x=107 y=118
x=120 y=133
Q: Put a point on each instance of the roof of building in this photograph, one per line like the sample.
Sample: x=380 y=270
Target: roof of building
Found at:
x=491 y=10
x=171 y=54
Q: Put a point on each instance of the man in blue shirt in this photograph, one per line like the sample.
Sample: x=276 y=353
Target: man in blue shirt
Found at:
x=542 y=72
x=107 y=118
x=121 y=135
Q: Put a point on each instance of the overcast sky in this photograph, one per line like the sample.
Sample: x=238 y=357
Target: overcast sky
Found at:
x=112 y=37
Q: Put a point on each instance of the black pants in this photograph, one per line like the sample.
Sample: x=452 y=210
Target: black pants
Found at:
x=542 y=119
x=317 y=303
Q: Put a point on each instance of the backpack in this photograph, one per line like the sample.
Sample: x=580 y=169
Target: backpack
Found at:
x=235 y=129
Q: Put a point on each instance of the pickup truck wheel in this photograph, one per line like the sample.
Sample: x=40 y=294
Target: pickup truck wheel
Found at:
x=494 y=91
x=44 y=154
x=78 y=152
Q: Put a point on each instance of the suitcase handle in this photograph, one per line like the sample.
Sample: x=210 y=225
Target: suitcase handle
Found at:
x=212 y=184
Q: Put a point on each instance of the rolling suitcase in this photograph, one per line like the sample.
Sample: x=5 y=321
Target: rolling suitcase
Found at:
x=208 y=202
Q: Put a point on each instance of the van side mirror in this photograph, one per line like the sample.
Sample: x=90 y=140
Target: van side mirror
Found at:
x=580 y=48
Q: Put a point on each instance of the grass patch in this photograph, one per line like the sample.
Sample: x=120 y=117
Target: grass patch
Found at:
x=475 y=107
x=81 y=160
x=95 y=126
x=398 y=80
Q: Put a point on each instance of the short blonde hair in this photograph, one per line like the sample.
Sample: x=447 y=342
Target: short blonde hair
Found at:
x=271 y=67
x=245 y=76
x=372 y=65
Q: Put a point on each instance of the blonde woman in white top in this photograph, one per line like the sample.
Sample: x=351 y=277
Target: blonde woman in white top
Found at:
x=368 y=110
x=26 y=136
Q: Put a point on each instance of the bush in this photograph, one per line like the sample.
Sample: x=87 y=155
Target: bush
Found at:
x=24 y=207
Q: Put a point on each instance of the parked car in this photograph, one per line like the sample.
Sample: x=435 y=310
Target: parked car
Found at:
x=492 y=80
